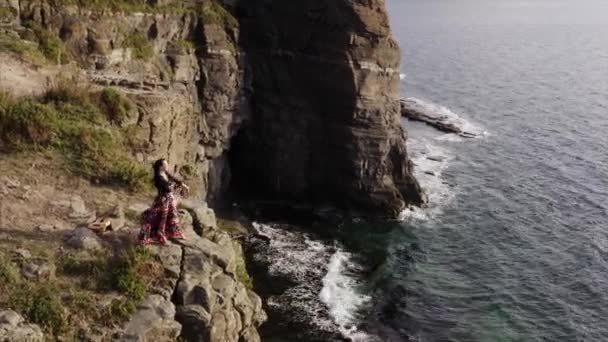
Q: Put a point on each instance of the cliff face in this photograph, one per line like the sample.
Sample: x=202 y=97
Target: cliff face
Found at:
x=316 y=84
x=295 y=102
x=325 y=122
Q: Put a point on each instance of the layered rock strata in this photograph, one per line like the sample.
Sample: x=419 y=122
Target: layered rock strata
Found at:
x=325 y=122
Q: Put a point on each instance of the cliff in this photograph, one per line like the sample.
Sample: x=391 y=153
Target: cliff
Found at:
x=325 y=122
x=257 y=101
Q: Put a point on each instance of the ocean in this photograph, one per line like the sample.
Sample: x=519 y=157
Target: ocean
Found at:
x=514 y=243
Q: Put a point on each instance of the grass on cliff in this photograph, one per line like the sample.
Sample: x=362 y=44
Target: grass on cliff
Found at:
x=37 y=45
x=214 y=13
x=140 y=46
x=27 y=50
x=49 y=44
x=73 y=295
x=79 y=124
x=131 y=274
x=127 y=6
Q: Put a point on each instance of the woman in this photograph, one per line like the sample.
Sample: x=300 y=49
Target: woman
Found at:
x=160 y=222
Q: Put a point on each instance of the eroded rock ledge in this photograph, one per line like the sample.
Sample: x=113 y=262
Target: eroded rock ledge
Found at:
x=201 y=297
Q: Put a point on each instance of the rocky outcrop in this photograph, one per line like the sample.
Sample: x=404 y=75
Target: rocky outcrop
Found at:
x=154 y=322
x=200 y=298
x=325 y=122
x=212 y=303
x=436 y=116
x=14 y=328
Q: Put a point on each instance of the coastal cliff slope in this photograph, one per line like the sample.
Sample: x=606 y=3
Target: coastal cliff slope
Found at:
x=250 y=101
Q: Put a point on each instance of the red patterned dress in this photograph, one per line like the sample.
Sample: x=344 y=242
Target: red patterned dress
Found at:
x=161 y=221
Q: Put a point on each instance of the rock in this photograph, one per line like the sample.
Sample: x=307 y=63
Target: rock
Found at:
x=222 y=256
x=44 y=228
x=10 y=318
x=212 y=304
x=38 y=270
x=153 y=322
x=348 y=150
x=196 y=322
x=138 y=208
x=78 y=208
x=23 y=253
x=85 y=239
x=115 y=217
x=170 y=256
x=11 y=183
x=203 y=217
x=434 y=116
x=436 y=158
x=14 y=329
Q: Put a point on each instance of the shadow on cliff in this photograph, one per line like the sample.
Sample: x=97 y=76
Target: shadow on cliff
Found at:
x=296 y=147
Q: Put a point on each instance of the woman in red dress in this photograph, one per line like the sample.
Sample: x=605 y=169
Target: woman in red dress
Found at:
x=161 y=222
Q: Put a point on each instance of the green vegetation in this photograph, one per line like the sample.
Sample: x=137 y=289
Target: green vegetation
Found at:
x=242 y=274
x=188 y=171
x=129 y=274
x=127 y=6
x=49 y=44
x=8 y=272
x=77 y=123
x=7 y=13
x=44 y=47
x=140 y=46
x=214 y=13
x=81 y=280
x=116 y=106
x=41 y=304
x=27 y=50
x=183 y=45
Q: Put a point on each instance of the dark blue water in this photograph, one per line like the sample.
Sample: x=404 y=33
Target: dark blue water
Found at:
x=514 y=244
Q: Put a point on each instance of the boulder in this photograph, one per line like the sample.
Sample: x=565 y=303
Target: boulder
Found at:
x=85 y=239
x=170 y=256
x=153 y=322
x=23 y=253
x=14 y=329
x=38 y=270
x=78 y=208
x=203 y=217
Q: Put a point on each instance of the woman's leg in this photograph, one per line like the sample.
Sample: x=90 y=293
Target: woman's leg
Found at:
x=165 y=207
x=173 y=231
x=146 y=227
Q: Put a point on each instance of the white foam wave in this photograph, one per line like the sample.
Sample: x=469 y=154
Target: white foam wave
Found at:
x=325 y=289
x=430 y=161
x=341 y=297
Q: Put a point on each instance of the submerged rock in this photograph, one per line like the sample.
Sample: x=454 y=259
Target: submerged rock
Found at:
x=435 y=116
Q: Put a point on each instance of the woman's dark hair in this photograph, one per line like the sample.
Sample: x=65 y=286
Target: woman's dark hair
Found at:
x=157 y=165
